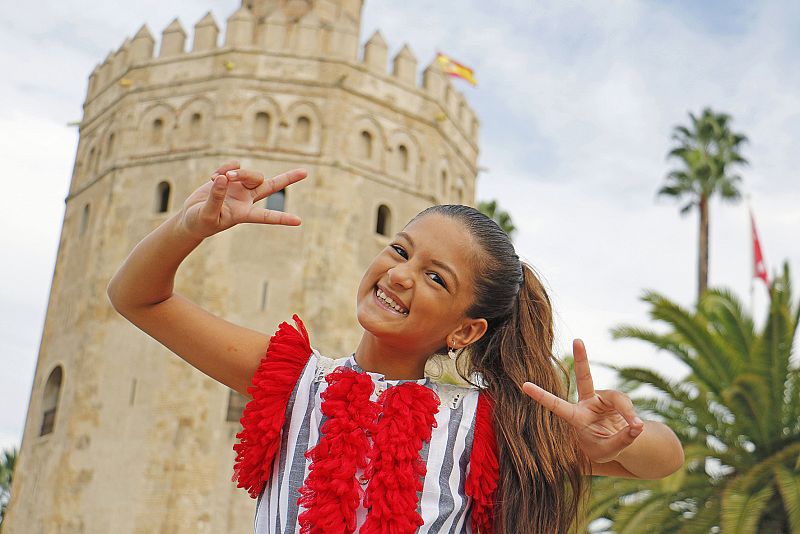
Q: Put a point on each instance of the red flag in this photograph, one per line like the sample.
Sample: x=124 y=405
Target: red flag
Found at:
x=759 y=268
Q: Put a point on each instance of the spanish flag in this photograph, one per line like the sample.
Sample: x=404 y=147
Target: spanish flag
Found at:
x=455 y=69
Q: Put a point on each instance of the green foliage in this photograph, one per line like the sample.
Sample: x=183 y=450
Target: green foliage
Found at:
x=737 y=413
x=7 y=462
x=502 y=218
x=705 y=151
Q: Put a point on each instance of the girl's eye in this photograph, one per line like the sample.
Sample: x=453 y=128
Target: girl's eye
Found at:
x=400 y=250
x=438 y=279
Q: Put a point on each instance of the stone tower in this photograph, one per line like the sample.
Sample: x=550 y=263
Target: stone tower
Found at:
x=122 y=436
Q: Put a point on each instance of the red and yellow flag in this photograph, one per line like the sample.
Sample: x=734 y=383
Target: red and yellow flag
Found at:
x=455 y=69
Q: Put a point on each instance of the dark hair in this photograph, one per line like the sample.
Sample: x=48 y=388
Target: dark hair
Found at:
x=542 y=482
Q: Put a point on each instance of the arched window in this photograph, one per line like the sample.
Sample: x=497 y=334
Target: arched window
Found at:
x=52 y=391
x=90 y=163
x=302 y=130
x=110 y=146
x=157 y=132
x=402 y=158
x=261 y=126
x=195 y=125
x=365 y=146
x=382 y=226
x=236 y=402
x=162 y=197
x=84 y=219
x=277 y=200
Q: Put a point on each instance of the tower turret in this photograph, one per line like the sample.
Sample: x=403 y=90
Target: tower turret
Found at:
x=173 y=40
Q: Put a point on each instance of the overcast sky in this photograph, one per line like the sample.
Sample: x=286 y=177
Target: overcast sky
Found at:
x=577 y=101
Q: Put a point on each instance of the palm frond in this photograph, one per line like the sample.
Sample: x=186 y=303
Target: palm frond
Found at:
x=789 y=487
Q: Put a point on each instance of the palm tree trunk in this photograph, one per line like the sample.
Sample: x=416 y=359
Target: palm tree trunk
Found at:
x=702 y=269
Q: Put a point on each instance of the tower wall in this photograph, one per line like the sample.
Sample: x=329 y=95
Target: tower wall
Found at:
x=140 y=441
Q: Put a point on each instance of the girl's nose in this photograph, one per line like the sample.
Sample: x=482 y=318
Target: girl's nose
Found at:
x=401 y=276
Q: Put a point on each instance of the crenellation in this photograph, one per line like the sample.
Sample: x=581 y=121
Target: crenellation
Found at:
x=173 y=40
x=308 y=32
x=451 y=100
x=142 y=46
x=343 y=40
x=206 y=34
x=119 y=62
x=272 y=32
x=405 y=66
x=92 y=87
x=240 y=30
x=104 y=72
x=296 y=9
x=376 y=53
x=261 y=8
x=433 y=81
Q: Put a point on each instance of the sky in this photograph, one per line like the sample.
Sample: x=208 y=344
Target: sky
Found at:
x=577 y=102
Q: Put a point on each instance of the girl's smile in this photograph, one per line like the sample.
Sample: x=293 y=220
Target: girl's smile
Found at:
x=388 y=300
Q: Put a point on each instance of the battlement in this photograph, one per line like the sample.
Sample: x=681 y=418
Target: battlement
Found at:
x=323 y=32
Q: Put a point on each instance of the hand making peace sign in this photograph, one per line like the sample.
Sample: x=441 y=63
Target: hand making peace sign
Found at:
x=605 y=419
x=229 y=198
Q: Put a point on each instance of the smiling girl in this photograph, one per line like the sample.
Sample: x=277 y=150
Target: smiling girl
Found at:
x=367 y=442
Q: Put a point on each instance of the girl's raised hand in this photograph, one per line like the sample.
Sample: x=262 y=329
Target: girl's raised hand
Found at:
x=605 y=419
x=230 y=197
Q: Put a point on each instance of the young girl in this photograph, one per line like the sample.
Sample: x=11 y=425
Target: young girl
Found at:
x=367 y=443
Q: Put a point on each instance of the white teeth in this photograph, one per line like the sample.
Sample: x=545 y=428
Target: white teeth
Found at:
x=384 y=297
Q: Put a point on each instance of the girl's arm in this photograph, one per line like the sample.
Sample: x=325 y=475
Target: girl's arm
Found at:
x=615 y=440
x=142 y=288
x=655 y=453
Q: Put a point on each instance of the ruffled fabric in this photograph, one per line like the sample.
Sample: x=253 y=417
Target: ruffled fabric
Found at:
x=484 y=469
x=263 y=417
x=396 y=470
x=331 y=492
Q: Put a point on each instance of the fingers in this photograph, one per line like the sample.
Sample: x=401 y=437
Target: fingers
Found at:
x=583 y=375
x=249 y=179
x=262 y=216
x=213 y=204
x=279 y=182
x=622 y=403
x=229 y=166
x=557 y=405
x=622 y=438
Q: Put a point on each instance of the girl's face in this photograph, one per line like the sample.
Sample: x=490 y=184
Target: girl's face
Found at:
x=427 y=272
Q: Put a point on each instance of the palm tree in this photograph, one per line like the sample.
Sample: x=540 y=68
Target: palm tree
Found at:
x=7 y=462
x=502 y=218
x=737 y=413
x=706 y=152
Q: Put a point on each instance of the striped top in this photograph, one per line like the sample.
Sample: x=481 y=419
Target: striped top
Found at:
x=442 y=504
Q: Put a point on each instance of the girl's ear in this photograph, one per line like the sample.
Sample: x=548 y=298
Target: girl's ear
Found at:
x=470 y=331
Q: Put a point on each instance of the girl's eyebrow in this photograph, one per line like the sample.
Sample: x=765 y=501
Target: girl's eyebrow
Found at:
x=438 y=263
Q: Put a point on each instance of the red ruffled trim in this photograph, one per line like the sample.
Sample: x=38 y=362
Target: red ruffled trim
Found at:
x=395 y=471
x=331 y=492
x=484 y=470
x=263 y=417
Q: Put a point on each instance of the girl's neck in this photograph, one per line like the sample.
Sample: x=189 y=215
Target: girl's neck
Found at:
x=395 y=364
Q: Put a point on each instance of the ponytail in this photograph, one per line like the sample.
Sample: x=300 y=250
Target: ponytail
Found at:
x=542 y=483
x=541 y=467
